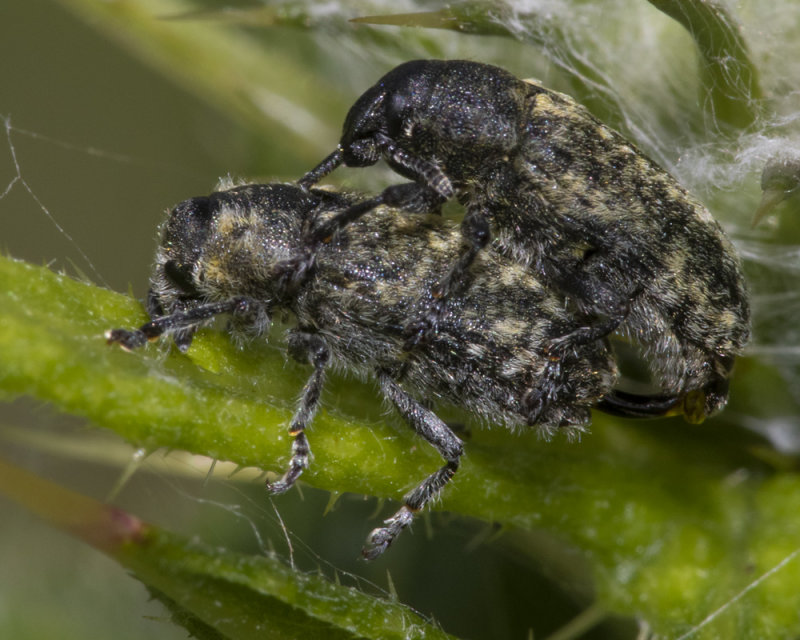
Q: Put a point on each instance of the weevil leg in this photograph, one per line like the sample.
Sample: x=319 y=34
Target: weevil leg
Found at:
x=589 y=333
x=289 y=274
x=437 y=433
x=476 y=234
x=424 y=172
x=409 y=197
x=611 y=308
x=178 y=323
x=714 y=392
x=303 y=347
x=183 y=337
x=330 y=163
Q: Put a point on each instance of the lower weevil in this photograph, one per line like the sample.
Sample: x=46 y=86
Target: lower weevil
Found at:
x=228 y=253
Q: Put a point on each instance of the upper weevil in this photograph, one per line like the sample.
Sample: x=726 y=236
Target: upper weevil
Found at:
x=591 y=214
x=233 y=253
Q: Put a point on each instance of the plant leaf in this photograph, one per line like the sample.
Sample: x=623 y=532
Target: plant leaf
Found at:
x=214 y=593
x=674 y=520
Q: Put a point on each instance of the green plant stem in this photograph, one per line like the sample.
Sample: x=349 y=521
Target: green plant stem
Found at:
x=730 y=79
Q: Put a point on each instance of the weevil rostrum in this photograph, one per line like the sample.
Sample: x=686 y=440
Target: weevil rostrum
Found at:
x=569 y=197
x=229 y=253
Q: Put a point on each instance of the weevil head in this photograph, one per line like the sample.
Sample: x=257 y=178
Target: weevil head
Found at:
x=227 y=245
x=183 y=238
x=172 y=286
x=383 y=111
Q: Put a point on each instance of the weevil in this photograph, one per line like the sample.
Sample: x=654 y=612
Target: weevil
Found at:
x=554 y=188
x=227 y=253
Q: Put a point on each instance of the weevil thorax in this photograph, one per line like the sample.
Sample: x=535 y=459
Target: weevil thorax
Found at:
x=455 y=113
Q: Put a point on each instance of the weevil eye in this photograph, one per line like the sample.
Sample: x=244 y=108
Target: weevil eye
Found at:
x=180 y=276
x=395 y=114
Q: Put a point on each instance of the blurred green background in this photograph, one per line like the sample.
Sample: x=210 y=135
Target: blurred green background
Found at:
x=101 y=143
x=75 y=90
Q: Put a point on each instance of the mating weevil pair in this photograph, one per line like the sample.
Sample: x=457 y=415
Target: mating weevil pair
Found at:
x=590 y=237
